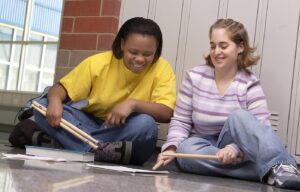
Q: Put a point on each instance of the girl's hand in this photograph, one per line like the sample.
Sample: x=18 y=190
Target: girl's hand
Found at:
x=54 y=113
x=166 y=159
x=227 y=155
x=119 y=113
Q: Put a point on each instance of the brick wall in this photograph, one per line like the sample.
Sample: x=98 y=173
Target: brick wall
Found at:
x=88 y=27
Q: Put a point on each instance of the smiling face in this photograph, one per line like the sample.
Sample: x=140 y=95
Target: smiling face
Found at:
x=138 y=51
x=223 y=51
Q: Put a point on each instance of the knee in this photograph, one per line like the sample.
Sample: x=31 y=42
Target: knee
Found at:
x=184 y=149
x=195 y=145
x=147 y=125
x=144 y=138
x=146 y=120
x=240 y=115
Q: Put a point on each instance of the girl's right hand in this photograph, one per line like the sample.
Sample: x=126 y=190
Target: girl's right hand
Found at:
x=167 y=159
x=54 y=113
x=57 y=93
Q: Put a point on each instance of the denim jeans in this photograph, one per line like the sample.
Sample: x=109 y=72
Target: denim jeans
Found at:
x=260 y=145
x=140 y=129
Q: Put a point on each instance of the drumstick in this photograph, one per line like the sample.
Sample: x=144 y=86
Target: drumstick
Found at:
x=197 y=156
x=70 y=125
x=73 y=129
x=84 y=134
x=187 y=155
x=158 y=164
x=193 y=156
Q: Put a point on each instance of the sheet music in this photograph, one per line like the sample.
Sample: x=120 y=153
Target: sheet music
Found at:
x=30 y=157
x=126 y=169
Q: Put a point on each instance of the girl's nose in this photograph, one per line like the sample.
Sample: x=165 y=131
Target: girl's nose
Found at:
x=139 y=58
x=217 y=50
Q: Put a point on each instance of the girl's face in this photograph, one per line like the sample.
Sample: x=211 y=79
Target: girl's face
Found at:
x=223 y=51
x=138 y=51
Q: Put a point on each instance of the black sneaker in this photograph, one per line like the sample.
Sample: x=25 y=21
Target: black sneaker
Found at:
x=22 y=133
x=284 y=176
x=40 y=138
x=114 y=152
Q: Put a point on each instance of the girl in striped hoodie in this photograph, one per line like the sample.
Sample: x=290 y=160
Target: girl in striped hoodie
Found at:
x=221 y=110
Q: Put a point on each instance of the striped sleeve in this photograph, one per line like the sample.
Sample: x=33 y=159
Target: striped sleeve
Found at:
x=181 y=122
x=256 y=102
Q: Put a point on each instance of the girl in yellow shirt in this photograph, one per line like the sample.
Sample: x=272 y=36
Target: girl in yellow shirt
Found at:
x=125 y=92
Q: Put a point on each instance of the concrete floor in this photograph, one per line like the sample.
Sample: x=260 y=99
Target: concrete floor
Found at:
x=20 y=175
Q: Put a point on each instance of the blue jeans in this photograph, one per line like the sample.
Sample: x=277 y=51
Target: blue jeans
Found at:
x=261 y=147
x=140 y=129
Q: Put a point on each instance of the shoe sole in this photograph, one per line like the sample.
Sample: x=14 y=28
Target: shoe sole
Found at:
x=290 y=185
x=35 y=136
x=286 y=185
x=127 y=152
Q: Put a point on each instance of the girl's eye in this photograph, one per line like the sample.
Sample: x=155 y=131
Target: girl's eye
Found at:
x=133 y=52
x=223 y=47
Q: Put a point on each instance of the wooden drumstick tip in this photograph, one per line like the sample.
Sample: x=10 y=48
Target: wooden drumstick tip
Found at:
x=158 y=165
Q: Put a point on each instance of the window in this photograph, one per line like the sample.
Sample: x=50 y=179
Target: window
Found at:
x=29 y=31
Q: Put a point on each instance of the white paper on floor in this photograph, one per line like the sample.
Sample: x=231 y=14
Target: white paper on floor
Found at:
x=126 y=169
x=30 y=157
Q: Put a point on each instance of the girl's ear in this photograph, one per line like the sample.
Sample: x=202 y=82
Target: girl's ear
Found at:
x=241 y=47
x=122 y=44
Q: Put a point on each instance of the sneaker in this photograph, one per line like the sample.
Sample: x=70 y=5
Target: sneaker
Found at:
x=22 y=133
x=114 y=152
x=40 y=138
x=284 y=176
x=27 y=132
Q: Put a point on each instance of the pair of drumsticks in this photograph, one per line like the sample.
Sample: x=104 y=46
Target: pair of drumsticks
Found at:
x=70 y=128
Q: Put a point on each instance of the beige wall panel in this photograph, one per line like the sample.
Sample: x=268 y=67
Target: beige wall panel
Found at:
x=279 y=57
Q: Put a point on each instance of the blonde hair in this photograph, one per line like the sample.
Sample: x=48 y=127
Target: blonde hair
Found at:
x=238 y=34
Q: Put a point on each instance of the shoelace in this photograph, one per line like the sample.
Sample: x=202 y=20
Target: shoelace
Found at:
x=287 y=168
x=103 y=145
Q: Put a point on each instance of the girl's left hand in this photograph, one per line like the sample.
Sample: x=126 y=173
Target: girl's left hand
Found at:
x=119 y=113
x=227 y=155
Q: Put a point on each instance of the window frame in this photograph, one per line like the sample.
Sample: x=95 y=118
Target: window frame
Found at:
x=25 y=44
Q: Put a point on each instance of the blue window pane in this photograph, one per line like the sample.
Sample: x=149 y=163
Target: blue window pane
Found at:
x=12 y=80
x=13 y=12
x=37 y=57
x=3 y=75
x=34 y=55
x=17 y=47
x=50 y=57
x=47 y=80
x=5 y=49
x=46 y=16
x=30 y=80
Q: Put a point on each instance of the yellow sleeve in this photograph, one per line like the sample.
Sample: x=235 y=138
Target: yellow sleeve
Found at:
x=164 y=91
x=78 y=82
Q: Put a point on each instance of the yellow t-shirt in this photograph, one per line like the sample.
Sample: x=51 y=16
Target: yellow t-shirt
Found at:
x=105 y=81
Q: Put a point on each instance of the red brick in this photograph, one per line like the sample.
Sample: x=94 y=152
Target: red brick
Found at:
x=67 y=25
x=111 y=8
x=96 y=25
x=82 y=8
x=105 y=42
x=78 y=41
